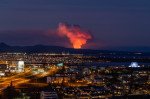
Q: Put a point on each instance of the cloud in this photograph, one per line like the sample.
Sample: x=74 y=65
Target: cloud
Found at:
x=31 y=37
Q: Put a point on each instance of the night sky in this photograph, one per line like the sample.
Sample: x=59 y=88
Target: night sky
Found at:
x=112 y=22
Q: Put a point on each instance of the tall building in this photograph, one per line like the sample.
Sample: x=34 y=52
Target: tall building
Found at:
x=20 y=66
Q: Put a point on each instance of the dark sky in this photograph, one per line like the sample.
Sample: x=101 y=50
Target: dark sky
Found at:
x=112 y=22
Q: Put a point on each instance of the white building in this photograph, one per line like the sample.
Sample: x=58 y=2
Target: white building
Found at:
x=134 y=64
x=20 y=66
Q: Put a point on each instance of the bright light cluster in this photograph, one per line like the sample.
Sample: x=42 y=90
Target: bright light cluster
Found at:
x=134 y=64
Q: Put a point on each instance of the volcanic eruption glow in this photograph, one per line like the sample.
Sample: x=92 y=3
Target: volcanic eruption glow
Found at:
x=76 y=36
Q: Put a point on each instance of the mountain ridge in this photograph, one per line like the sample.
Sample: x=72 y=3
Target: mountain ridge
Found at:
x=46 y=49
x=54 y=49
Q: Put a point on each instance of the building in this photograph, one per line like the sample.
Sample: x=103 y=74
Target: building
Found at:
x=57 y=79
x=20 y=66
x=49 y=95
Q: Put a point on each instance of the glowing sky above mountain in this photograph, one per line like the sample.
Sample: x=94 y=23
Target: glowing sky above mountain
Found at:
x=112 y=22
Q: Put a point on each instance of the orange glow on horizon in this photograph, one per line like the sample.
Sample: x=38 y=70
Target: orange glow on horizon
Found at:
x=76 y=36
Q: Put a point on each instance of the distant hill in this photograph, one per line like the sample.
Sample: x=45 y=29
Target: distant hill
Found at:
x=47 y=49
x=54 y=49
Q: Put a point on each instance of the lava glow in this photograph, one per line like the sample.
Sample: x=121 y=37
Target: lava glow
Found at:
x=76 y=36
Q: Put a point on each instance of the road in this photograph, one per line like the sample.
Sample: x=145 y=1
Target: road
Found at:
x=24 y=78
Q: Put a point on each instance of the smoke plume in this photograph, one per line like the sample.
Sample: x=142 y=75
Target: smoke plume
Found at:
x=76 y=36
